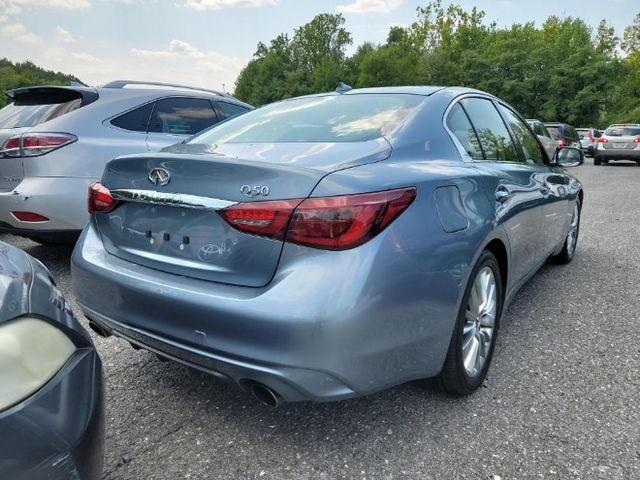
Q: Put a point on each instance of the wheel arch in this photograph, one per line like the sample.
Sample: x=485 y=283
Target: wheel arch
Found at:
x=499 y=250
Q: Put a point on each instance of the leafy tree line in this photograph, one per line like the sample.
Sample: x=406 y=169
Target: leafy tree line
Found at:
x=15 y=75
x=563 y=70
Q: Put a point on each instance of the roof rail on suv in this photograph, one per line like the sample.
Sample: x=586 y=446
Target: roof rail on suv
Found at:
x=123 y=83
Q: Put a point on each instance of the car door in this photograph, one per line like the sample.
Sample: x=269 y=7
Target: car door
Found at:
x=513 y=186
x=176 y=118
x=552 y=180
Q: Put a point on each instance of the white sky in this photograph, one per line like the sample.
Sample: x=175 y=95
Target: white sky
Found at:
x=206 y=42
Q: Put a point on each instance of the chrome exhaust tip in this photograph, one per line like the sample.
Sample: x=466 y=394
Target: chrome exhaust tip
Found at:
x=265 y=395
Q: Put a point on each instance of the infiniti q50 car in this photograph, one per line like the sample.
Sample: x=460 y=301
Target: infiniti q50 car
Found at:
x=51 y=391
x=330 y=246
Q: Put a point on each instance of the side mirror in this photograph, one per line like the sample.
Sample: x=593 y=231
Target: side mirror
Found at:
x=568 y=157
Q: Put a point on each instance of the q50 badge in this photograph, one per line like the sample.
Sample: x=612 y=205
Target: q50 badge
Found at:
x=255 y=190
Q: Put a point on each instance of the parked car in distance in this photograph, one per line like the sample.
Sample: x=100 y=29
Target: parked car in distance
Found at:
x=550 y=145
x=55 y=141
x=564 y=134
x=51 y=387
x=332 y=245
x=620 y=141
x=588 y=138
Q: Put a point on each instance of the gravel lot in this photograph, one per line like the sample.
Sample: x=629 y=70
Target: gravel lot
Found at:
x=562 y=399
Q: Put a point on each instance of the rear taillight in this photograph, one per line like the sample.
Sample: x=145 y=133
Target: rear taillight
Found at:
x=602 y=140
x=268 y=219
x=636 y=140
x=332 y=223
x=562 y=142
x=35 y=144
x=100 y=199
x=591 y=137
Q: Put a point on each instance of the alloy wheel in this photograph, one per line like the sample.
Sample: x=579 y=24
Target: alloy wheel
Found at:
x=480 y=320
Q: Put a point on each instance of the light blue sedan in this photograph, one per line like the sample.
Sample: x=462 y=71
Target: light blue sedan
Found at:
x=332 y=245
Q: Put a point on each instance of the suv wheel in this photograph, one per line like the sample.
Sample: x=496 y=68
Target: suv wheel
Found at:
x=596 y=160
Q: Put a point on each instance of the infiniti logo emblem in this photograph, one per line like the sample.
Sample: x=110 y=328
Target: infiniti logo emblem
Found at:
x=159 y=176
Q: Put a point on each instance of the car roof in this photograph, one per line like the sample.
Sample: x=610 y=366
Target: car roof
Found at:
x=139 y=89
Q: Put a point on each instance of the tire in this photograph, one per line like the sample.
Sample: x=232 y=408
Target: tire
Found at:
x=571 y=239
x=596 y=160
x=463 y=372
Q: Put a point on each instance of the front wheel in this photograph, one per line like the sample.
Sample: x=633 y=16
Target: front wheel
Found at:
x=571 y=240
x=474 y=336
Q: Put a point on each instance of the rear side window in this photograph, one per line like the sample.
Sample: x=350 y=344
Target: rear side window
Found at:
x=135 y=120
x=31 y=109
x=493 y=134
x=182 y=116
x=530 y=146
x=459 y=124
x=231 y=110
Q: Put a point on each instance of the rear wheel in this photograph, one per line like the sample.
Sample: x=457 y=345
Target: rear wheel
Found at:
x=476 y=329
x=596 y=160
x=571 y=240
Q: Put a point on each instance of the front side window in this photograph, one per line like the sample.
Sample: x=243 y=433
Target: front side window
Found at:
x=459 y=124
x=494 y=137
x=319 y=119
x=182 y=116
x=529 y=143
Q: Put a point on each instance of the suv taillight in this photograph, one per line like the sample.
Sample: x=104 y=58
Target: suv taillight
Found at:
x=100 y=199
x=602 y=140
x=562 y=142
x=35 y=144
x=330 y=223
x=636 y=140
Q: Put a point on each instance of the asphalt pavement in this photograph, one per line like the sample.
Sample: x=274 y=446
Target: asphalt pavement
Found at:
x=562 y=399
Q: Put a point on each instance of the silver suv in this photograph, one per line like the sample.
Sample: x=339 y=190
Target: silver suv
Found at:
x=55 y=141
x=621 y=141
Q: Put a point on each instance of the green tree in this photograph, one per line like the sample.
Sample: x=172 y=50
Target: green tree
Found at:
x=25 y=74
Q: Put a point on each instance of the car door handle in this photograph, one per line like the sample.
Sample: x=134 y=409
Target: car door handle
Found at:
x=502 y=195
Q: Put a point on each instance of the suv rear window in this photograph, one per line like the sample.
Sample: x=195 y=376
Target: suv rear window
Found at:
x=554 y=131
x=33 y=108
x=318 y=119
x=622 y=132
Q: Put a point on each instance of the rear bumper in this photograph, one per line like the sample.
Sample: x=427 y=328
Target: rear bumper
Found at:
x=63 y=200
x=58 y=433
x=329 y=326
x=622 y=154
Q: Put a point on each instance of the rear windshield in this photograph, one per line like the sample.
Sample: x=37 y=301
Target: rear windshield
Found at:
x=329 y=118
x=554 y=131
x=622 y=131
x=32 y=110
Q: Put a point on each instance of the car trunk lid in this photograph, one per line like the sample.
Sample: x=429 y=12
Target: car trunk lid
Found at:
x=175 y=227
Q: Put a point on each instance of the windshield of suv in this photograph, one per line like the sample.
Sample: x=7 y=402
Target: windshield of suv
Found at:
x=622 y=131
x=319 y=119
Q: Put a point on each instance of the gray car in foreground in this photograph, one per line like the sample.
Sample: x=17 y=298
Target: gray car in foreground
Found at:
x=329 y=246
x=55 y=141
x=51 y=393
